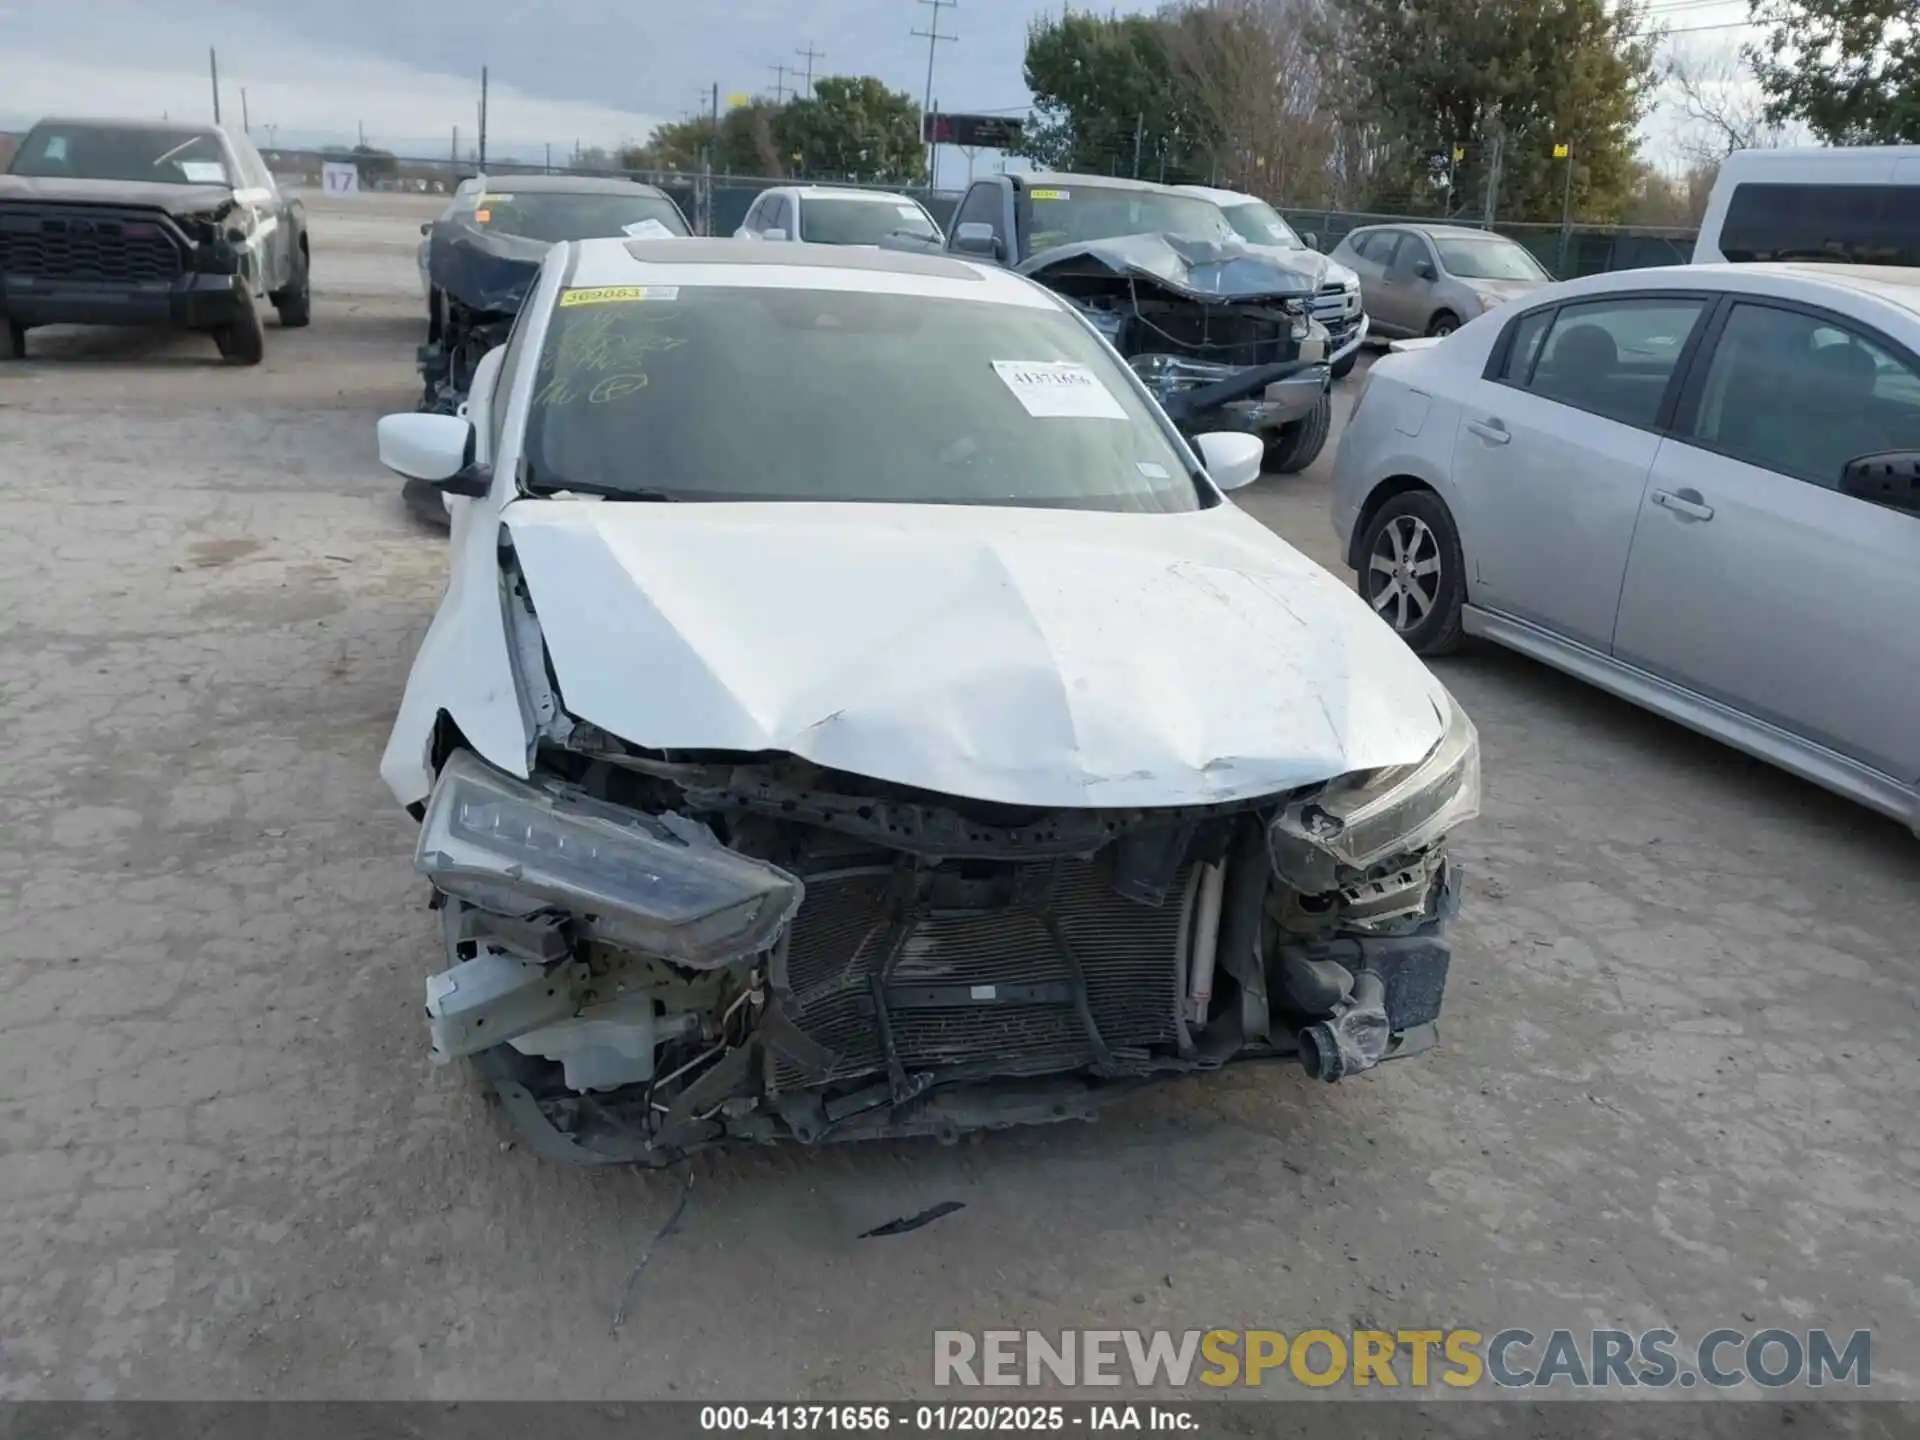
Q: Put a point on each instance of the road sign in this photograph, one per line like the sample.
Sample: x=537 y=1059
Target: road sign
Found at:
x=339 y=178
x=971 y=132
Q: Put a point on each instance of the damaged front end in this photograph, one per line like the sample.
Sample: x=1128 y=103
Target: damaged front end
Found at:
x=654 y=953
x=1223 y=336
x=481 y=279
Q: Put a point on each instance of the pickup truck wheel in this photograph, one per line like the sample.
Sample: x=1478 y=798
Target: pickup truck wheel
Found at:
x=1412 y=572
x=244 y=342
x=295 y=303
x=1299 y=444
x=16 y=341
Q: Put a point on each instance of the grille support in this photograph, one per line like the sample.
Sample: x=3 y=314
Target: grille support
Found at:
x=1028 y=970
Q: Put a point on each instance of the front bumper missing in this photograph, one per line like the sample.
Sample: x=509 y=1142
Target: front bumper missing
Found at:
x=1201 y=395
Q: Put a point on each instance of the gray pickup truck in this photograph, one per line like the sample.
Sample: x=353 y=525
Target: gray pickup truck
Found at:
x=1221 y=334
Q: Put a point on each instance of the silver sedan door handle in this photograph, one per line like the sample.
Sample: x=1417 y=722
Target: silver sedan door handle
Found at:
x=1684 y=502
x=1493 y=431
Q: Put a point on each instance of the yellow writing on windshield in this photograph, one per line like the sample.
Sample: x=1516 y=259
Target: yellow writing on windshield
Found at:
x=618 y=295
x=1047 y=194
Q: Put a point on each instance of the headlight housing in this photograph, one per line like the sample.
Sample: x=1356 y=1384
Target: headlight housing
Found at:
x=633 y=880
x=1359 y=820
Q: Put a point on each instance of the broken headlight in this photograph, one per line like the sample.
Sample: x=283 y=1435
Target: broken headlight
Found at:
x=1358 y=821
x=633 y=880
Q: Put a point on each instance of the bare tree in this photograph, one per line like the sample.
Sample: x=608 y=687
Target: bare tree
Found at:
x=1255 y=75
x=1721 y=104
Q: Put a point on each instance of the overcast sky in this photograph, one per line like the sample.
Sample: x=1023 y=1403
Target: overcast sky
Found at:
x=601 y=71
x=597 y=71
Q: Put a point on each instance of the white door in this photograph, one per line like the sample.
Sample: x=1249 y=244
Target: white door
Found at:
x=1753 y=580
x=1552 y=458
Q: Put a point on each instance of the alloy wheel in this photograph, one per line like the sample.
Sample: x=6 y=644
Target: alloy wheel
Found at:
x=1403 y=572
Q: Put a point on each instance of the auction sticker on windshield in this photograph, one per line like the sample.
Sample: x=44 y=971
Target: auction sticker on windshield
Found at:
x=1058 y=389
x=1050 y=194
x=618 y=295
x=648 y=230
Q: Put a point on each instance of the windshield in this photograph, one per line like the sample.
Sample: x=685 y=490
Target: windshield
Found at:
x=1070 y=215
x=1258 y=222
x=583 y=216
x=856 y=220
x=123 y=152
x=1488 y=257
x=649 y=389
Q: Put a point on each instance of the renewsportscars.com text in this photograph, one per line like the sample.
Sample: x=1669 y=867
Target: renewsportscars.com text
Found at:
x=1412 y=1359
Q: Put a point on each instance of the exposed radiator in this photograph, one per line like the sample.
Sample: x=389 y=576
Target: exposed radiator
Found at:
x=948 y=992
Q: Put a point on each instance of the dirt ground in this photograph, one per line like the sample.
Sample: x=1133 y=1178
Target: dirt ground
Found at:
x=1676 y=1084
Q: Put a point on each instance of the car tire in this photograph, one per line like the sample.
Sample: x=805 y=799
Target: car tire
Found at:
x=244 y=342
x=1299 y=444
x=294 y=305
x=16 y=341
x=1443 y=324
x=1344 y=368
x=423 y=502
x=1412 y=530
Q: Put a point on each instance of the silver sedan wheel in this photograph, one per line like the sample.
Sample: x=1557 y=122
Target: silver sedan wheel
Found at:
x=1404 y=572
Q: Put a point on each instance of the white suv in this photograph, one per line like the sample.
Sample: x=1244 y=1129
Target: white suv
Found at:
x=824 y=215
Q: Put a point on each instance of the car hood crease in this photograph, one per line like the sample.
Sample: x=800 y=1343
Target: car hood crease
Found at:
x=1196 y=267
x=1032 y=657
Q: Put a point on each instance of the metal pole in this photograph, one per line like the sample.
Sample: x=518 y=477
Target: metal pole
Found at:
x=483 y=119
x=933 y=37
x=1566 y=219
x=1139 y=134
x=246 y=123
x=811 y=55
x=453 y=155
x=1493 y=181
x=213 y=71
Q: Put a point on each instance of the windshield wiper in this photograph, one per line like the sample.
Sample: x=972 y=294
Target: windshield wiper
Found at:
x=544 y=488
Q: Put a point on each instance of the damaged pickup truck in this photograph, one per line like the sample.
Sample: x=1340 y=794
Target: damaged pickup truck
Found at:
x=482 y=253
x=965 y=760
x=1222 y=333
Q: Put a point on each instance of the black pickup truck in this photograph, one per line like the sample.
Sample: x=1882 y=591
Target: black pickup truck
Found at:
x=1222 y=334
x=129 y=222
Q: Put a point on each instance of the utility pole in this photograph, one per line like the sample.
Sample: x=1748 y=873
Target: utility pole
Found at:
x=246 y=123
x=549 y=165
x=811 y=55
x=213 y=71
x=1565 y=152
x=361 y=125
x=1493 y=181
x=1139 y=134
x=453 y=155
x=483 y=120
x=933 y=37
x=780 y=73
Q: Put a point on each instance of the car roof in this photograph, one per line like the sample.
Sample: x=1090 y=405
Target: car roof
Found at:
x=1895 y=285
x=798 y=267
x=1436 y=231
x=115 y=122
x=568 y=185
x=1217 y=195
x=1040 y=178
x=849 y=192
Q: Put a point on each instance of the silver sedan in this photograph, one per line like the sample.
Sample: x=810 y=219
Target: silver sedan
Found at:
x=1697 y=487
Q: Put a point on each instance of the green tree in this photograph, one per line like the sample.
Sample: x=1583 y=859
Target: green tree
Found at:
x=851 y=128
x=1108 y=98
x=1513 y=78
x=1847 y=69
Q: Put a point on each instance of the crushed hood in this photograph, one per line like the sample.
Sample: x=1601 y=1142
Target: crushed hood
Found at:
x=174 y=199
x=1204 y=269
x=1029 y=657
x=482 y=269
x=1313 y=268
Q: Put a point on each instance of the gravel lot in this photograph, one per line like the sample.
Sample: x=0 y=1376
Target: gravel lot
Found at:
x=1677 y=1082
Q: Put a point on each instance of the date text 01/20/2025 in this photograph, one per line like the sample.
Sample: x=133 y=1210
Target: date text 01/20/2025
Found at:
x=946 y=1419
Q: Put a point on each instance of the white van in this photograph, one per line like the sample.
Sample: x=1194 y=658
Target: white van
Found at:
x=1857 y=206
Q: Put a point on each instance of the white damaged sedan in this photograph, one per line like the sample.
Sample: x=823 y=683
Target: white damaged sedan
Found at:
x=855 y=711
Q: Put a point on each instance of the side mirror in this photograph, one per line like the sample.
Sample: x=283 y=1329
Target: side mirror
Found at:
x=434 y=448
x=426 y=227
x=976 y=237
x=776 y=233
x=1232 y=457
x=1310 y=240
x=1891 y=478
x=1425 y=271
